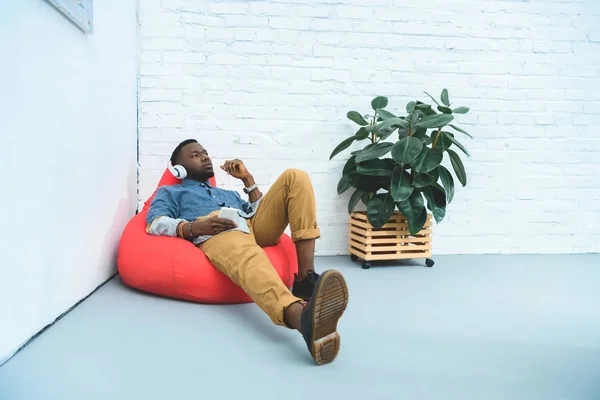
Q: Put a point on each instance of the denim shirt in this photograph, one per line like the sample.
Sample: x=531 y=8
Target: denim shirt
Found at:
x=190 y=200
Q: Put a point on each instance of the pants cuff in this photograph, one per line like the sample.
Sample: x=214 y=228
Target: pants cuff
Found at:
x=283 y=321
x=305 y=234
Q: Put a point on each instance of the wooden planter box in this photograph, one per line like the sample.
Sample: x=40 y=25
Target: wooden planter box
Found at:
x=390 y=242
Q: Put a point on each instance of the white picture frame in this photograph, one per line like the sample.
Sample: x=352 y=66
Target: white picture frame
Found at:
x=81 y=12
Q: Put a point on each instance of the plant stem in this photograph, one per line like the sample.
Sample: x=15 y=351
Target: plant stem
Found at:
x=436 y=137
x=373 y=122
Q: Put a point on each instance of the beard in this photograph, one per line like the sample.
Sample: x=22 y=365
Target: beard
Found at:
x=203 y=176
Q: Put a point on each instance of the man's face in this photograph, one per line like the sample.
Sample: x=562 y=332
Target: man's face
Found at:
x=196 y=161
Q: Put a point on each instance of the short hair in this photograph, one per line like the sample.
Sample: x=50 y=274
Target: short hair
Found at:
x=180 y=146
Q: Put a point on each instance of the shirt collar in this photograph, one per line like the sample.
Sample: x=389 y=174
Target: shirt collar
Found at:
x=191 y=182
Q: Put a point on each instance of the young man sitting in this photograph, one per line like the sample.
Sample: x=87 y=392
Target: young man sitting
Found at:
x=190 y=211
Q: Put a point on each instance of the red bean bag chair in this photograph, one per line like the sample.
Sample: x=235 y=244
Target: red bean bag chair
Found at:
x=173 y=267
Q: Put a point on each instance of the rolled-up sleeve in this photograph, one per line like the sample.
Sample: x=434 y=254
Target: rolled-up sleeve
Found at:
x=162 y=216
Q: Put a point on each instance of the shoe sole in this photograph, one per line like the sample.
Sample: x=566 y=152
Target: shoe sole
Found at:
x=330 y=301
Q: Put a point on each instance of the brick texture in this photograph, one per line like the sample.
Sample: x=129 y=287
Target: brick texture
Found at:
x=271 y=81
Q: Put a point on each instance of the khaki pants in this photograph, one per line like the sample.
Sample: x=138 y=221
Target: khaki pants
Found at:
x=240 y=256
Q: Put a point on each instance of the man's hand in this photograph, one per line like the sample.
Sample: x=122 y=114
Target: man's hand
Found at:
x=236 y=168
x=212 y=226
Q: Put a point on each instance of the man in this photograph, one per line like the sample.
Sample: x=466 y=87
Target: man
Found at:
x=190 y=211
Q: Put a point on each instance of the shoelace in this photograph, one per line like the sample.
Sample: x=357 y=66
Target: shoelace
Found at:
x=313 y=278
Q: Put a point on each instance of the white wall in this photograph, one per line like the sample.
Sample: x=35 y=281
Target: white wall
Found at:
x=68 y=152
x=271 y=82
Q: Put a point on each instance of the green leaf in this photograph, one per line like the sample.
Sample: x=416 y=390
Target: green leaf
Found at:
x=379 y=102
x=427 y=160
x=426 y=140
x=375 y=167
x=391 y=122
x=343 y=184
x=356 y=117
x=402 y=133
x=456 y=142
x=385 y=133
x=422 y=180
x=435 y=173
x=460 y=130
x=423 y=106
x=410 y=106
x=401 y=184
x=349 y=166
x=461 y=110
x=366 y=183
x=426 y=109
x=459 y=168
x=447 y=182
x=445 y=98
x=414 y=118
x=390 y=163
x=376 y=151
x=380 y=209
x=414 y=210
x=434 y=121
x=366 y=198
x=431 y=97
x=436 y=201
x=361 y=134
x=406 y=150
x=445 y=110
x=418 y=222
x=342 y=146
x=354 y=199
x=384 y=114
x=420 y=133
x=443 y=143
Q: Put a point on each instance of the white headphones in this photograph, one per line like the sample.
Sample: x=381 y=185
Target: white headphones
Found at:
x=178 y=170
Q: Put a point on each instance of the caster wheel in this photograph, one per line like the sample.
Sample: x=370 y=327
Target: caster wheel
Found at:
x=429 y=262
x=353 y=257
x=366 y=265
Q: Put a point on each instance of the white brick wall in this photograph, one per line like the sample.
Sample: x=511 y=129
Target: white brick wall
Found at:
x=271 y=81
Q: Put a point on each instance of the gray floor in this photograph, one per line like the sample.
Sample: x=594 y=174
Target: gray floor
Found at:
x=478 y=327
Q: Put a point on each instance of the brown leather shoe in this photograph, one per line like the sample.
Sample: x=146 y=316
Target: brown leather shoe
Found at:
x=321 y=314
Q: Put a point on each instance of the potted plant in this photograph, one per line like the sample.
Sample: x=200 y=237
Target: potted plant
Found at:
x=398 y=181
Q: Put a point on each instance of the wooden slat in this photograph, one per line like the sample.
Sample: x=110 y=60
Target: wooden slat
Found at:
x=388 y=239
x=364 y=218
x=357 y=252
x=396 y=217
x=375 y=257
x=358 y=216
x=392 y=242
x=394 y=225
x=389 y=225
x=423 y=232
x=368 y=225
x=375 y=249
x=375 y=233
x=390 y=257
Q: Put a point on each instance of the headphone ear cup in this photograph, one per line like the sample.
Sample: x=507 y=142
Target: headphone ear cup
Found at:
x=181 y=171
x=178 y=171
